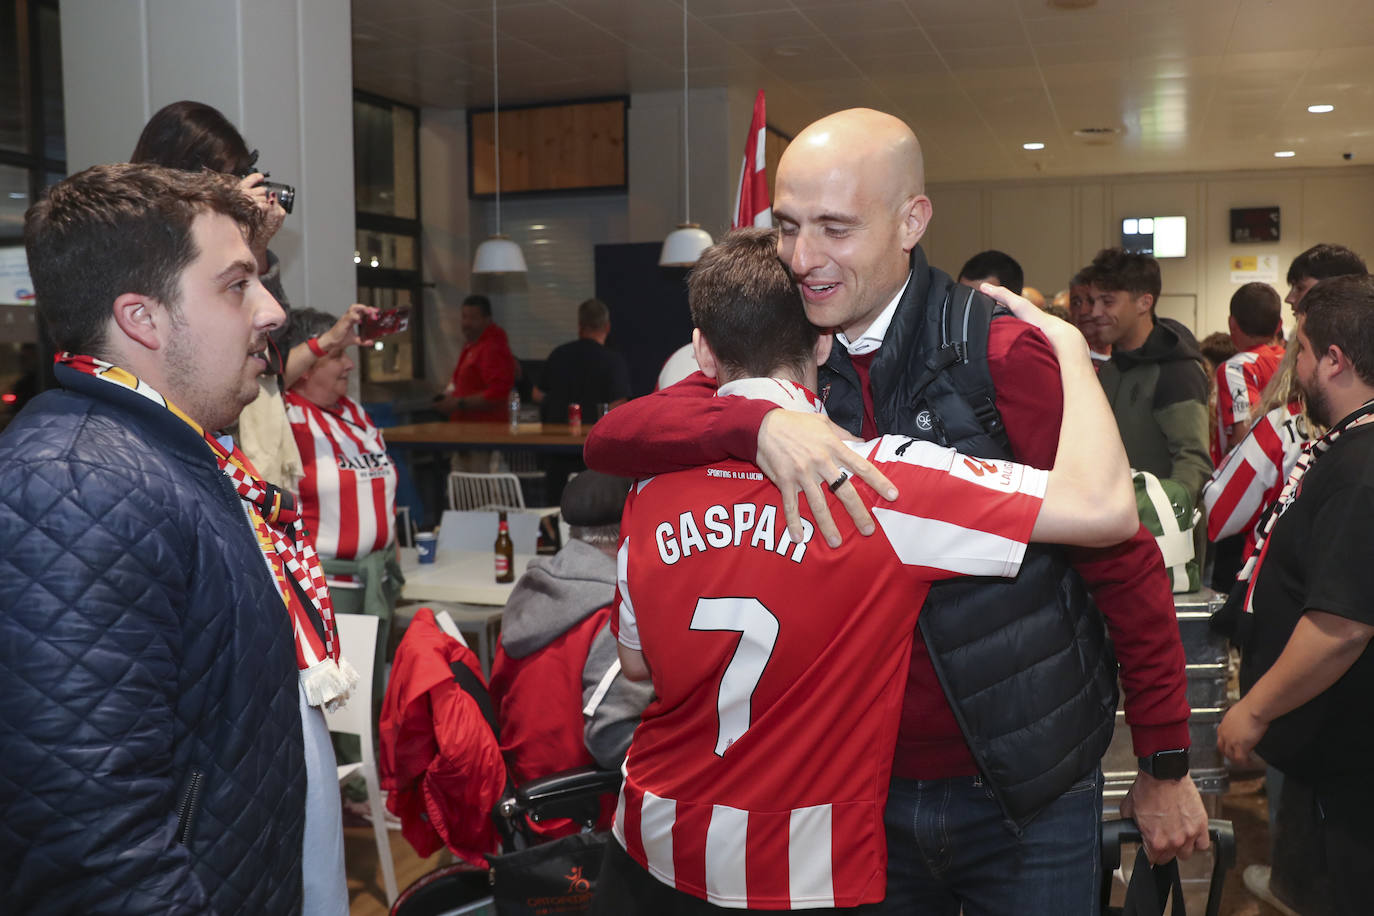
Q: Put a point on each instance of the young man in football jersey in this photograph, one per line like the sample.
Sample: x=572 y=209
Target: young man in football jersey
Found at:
x=758 y=776
x=991 y=761
x=1255 y=323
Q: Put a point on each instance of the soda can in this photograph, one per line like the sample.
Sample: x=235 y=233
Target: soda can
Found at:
x=574 y=414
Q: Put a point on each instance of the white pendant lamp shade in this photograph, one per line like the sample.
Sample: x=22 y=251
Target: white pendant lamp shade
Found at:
x=684 y=245
x=499 y=255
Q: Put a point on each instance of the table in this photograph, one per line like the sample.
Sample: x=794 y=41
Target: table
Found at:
x=463 y=581
x=451 y=436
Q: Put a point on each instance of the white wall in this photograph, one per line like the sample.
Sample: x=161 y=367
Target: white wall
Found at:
x=280 y=70
x=1055 y=227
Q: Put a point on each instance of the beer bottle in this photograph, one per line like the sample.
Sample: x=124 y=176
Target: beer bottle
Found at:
x=505 y=552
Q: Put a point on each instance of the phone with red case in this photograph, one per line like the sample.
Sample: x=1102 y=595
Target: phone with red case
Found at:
x=392 y=321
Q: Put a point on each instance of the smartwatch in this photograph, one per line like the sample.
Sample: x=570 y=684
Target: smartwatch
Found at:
x=1166 y=764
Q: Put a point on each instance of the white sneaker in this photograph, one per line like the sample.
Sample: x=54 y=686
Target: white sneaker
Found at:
x=1256 y=879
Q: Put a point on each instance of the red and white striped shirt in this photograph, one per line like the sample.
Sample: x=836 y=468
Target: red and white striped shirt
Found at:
x=1239 y=382
x=1250 y=477
x=759 y=773
x=348 y=494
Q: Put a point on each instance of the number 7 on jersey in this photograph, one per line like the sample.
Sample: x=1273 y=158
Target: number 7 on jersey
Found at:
x=758 y=630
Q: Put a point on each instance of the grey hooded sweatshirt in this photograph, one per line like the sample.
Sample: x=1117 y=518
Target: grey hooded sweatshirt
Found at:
x=555 y=594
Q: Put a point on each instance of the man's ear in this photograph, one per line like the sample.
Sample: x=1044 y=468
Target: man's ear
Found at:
x=1334 y=362
x=1145 y=304
x=141 y=319
x=915 y=216
x=706 y=360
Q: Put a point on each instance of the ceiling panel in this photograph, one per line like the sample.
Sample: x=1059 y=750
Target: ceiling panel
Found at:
x=1194 y=84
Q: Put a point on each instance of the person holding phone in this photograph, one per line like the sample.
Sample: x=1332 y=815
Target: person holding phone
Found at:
x=192 y=136
x=347 y=495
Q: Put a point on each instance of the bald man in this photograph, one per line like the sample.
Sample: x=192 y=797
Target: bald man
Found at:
x=995 y=800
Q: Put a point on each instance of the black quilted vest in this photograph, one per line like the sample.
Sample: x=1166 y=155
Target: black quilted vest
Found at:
x=1026 y=664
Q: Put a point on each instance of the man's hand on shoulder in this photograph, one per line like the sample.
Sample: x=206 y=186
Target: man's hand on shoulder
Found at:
x=1170 y=815
x=802 y=452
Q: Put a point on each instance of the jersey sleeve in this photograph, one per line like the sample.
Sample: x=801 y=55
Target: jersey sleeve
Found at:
x=957 y=516
x=1239 y=489
x=682 y=426
x=624 y=627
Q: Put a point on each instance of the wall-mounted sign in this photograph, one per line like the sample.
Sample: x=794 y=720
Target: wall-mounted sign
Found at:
x=15 y=286
x=1254 y=224
x=1262 y=268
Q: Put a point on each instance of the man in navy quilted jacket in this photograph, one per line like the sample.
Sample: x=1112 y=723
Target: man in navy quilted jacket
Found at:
x=163 y=630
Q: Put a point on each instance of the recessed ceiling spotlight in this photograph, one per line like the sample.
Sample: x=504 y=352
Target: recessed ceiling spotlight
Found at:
x=1320 y=109
x=1033 y=146
x=1285 y=154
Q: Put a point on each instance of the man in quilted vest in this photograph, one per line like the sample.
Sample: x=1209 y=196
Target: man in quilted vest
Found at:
x=164 y=630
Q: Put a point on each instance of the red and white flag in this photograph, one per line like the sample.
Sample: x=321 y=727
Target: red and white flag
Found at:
x=751 y=200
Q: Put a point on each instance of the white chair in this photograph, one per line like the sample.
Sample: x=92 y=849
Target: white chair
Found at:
x=484 y=491
x=405 y=530
x=473 y=529
x=358 y=643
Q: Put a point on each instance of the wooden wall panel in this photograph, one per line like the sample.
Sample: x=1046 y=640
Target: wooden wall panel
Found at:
x=575 y=146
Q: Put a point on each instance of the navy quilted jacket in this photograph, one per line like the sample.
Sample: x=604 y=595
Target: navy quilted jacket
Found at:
x=150 y=732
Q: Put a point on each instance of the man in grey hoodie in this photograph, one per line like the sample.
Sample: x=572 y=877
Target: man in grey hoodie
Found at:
x=561 y=700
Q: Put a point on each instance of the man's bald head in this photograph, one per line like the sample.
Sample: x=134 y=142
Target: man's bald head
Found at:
x=851 y=206
x=878 y=144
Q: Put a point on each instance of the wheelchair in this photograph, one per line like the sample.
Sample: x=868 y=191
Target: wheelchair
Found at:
x=529 y=865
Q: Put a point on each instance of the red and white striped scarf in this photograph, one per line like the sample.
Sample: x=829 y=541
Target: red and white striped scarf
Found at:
x=1311 y=452
x=286 y=548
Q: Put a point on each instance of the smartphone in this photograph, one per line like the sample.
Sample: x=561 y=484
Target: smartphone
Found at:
x=392 y=321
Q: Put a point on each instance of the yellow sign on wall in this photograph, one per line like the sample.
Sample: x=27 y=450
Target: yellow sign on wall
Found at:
x=1246 y=268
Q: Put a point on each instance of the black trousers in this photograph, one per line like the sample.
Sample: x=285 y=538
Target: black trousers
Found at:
x=1323 y=847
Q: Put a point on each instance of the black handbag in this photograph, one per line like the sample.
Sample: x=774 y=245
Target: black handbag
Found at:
x=555 y=877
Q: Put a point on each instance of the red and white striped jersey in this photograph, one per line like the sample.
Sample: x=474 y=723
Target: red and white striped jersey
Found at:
x=1250 y=477
x=348 y=494
x=758 y=775
x=1239 y=382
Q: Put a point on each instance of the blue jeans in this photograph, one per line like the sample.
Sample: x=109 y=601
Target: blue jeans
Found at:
x=949 y=846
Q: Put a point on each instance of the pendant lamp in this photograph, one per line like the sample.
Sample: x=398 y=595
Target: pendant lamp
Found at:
x=684 y=245
x=498 y=254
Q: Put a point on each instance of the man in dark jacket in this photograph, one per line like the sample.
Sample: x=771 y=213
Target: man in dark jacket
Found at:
x=152 y=722
x=1155 y=380
x=1010 y=698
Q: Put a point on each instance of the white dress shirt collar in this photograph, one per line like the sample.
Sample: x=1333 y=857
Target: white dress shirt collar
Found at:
x=872 y=338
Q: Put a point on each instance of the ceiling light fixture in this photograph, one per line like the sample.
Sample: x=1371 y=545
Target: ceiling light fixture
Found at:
x=498 y=254
x=684 y=245
x=1033 y=146
x=1285 y=154
x=1320 y=109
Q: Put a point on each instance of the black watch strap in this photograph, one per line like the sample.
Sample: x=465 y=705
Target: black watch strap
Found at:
x=1166 y=764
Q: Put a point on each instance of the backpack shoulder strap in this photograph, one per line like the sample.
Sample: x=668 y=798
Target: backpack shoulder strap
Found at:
x=967 y=319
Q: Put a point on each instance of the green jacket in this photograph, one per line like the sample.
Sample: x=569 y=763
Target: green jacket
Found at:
x=1159 y=396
